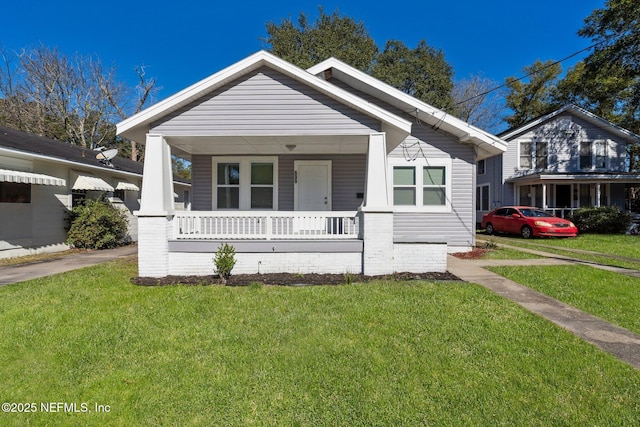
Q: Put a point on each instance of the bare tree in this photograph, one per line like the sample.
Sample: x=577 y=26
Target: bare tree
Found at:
x=74 y=99
x=479 y=101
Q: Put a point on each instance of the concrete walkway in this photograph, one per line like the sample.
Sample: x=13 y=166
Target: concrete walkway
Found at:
x=619 y=342
x=73 y=261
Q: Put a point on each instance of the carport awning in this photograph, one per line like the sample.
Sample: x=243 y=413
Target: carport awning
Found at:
x=88 y=182
x=19 y=177
x=127 y=186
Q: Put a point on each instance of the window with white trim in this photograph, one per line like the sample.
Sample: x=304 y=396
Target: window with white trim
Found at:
x=593 y=154
x=434 y=186
x=585 y=155
x=600 y=153
x=245 y=183
x=526 y=150
x=541 y=154
x=481 y=165
x=228 y=185
x=482 y=197
x=422 y=186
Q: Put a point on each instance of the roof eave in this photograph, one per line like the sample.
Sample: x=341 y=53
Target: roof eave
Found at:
x=137 y=125
x=487 y=145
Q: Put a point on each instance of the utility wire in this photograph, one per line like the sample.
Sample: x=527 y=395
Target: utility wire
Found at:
x=532 y=73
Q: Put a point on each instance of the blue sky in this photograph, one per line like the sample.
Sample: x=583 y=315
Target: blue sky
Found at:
x=181 y=43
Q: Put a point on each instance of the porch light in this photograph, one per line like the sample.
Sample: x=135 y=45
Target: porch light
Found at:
x=290 y=147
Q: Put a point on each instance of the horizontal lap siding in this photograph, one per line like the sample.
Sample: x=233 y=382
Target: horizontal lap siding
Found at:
x=201 y=183
x=266 y=102
x=348 y=177
x=564 y=154
x=456 y=227
x=347 y=180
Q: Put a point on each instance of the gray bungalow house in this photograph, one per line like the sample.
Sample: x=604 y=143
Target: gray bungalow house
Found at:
x=319 y=170
x=42 y=179
x=560 y=162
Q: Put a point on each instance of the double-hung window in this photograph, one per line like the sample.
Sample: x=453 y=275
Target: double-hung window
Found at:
x=541 y=154
x=482 y=197
x=585 y=155
x=245 y=183
x=593 y=154
x=480 y=167
x=600 y=148
x=526 y=150
x=422 y=186
x=228 y=185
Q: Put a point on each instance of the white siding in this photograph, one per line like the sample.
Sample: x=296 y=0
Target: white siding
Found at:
x=458 y=226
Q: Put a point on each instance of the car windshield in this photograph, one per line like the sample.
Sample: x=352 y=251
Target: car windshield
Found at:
x=536 y=213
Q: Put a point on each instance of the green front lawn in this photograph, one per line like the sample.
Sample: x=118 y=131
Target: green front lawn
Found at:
x=384 y=353
x=611 y=296
x=618 y=245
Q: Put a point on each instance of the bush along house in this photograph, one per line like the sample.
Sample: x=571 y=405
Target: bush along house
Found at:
x=325 y=170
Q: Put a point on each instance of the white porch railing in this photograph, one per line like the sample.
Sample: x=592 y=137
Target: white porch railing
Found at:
x=264 y=225
x=561 y=212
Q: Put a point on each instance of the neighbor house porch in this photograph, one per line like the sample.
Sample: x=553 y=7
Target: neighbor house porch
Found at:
x=564 y=193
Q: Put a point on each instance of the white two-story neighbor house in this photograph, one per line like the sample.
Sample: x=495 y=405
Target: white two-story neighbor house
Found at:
x=562 y=161
x=324 y=170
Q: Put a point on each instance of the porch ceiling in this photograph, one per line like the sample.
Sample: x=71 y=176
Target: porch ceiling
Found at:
x=186 y=146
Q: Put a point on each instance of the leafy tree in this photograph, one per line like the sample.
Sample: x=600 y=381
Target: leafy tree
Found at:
x=422 y=72
x=615 y=31
x=307 y=44
x=531 y=99
x=603 y=94
x=181 y=167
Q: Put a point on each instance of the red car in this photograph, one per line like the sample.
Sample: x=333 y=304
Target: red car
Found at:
x=528 y=222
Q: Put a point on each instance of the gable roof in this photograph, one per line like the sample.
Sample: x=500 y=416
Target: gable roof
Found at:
x=629 y=136
x=486 y=143
x=137 y=126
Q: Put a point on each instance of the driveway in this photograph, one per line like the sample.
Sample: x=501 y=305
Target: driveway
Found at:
x=73 y=261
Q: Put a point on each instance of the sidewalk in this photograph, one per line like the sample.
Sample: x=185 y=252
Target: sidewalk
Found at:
x=617 y=341
x=36 y=270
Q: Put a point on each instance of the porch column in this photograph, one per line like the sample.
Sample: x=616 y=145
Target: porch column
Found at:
x=377 y=211
x=598 y=194
x=157 y=178
x=156 y=209
x=544 y=196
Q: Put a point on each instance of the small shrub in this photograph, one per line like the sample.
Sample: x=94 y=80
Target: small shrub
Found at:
x=602 y=220
x=97 y=225
x=224 y=261
x=348 y=278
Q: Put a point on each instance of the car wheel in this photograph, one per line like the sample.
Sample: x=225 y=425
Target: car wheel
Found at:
x=489 y=229
x=526 y=232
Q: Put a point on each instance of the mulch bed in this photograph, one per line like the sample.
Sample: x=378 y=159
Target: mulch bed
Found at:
x=476 y=253
x=286 y=279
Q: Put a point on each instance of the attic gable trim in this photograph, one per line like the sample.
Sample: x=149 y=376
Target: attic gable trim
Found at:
x=251 y=63
x=509 y=134
x=436 y=117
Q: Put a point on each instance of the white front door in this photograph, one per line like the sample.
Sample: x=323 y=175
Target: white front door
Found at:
x=312 y=185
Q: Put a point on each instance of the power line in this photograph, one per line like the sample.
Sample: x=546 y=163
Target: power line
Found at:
x=532 y=73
